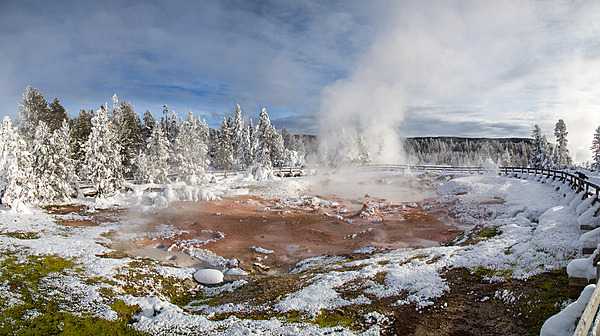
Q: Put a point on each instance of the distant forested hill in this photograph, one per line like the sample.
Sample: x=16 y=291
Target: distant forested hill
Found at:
x=455 y=150
x=467 y=151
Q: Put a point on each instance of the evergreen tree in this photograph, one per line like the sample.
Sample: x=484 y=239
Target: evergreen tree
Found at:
x=263 y=140
x=81 y=127
x=248 y=144
x=561 y=156
x=16 y=166
x=102 y=161
x=278 y=154
x=129 y=130
x=225 y=155
x=33 y=108
x=154 y=161
x=57 y=114
x=596 y=150
x=148 y=126
x=169 y=123
x=238 y=143
x=190 y=150
x=53 y=169
x=539 y=157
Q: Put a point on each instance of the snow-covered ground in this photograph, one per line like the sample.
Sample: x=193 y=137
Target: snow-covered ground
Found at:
x=531 y=229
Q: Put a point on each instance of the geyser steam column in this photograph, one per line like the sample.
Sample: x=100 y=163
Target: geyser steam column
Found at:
x=359 y=122
x=360 y=115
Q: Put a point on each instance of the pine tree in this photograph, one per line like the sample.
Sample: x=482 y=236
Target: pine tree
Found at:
x=169 y=123
x=33 y=108
x=129 y=129
x=190 y=151
x=248 y=144
x=57 y=114
x=148 y=126
x=596 y=150
x=561 y=157
x=16 y=166
x=263 y=140
x=81 y=127
x=102 y=162
x=154 y=161
x=53 y=170
x=225 y=155
x=539 y=156
x=238 y=142
x=278 y=154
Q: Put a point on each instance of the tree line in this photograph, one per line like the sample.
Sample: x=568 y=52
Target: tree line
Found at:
x=45 y=153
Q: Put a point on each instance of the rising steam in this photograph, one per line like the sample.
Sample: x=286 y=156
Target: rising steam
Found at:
x=485 y=68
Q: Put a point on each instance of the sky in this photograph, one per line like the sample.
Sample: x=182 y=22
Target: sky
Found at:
x=459 y=68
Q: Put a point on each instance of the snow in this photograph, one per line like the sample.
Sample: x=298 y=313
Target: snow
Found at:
x=261 y=250
x=538 y=231
x=564 y=323
x=539 y=235
x=582 y=268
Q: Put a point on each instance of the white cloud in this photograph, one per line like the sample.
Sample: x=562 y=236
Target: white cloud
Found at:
x=478 y=62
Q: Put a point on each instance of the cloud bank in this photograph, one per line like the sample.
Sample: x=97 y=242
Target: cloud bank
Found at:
x=477 y=67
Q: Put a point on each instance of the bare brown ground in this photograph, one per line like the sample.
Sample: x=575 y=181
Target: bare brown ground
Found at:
x=295 y=233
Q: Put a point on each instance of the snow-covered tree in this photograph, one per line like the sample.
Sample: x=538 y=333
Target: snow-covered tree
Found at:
x=148 y=125
x=53 y=169
x=190 y=151
x=596 y=150
x=540 y=157
x=278 y=154
x=81 y=127
x=129 y=129
x=248 y=144
x=238 y=141
x=224 y=158
x=561 y=152
x=33 y=108
x=16 y=166
x=56 y=115
x=169 y=123
x=153 y=163
x=263 y=140
x=102 y=160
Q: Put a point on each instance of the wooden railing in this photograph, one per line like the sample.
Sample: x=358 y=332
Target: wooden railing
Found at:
x=577 y=183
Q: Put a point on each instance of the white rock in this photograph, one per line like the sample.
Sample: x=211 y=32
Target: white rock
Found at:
x=208 y=276
x=236 y=271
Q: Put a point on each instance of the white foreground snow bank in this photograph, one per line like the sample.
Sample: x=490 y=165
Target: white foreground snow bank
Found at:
x=563 y=323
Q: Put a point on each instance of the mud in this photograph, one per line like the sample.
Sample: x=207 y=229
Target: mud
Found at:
x=294 y=233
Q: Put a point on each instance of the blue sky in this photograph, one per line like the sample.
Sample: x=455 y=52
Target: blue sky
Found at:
x=203 y=56
x=470 y=68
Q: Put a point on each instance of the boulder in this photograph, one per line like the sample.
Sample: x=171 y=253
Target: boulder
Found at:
x=208 y=276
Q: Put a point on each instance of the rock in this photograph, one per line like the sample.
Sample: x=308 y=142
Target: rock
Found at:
x=236 y=272
x=208 y=276
x=171 y=257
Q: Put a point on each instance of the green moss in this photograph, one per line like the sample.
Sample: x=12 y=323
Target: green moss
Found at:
x=488 y=232
x=549 y=291
x=38 y=313
x=483 y=272
x=124 y=311
x=20 y=235
x=138 y=273
x=335 y=318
